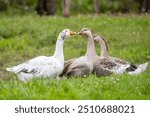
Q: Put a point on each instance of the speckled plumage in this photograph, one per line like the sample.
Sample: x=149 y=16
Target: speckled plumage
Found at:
x=107 y=65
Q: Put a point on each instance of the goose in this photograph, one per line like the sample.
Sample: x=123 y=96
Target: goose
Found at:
x=97 y=68
x=66 y=65
x=44 y=66
x=83 y=65
x=113 y=64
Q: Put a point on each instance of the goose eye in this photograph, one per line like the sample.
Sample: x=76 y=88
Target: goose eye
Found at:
x=85 y=29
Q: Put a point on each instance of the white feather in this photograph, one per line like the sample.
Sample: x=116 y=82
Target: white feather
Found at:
x=120 y=69
x=141 y=68
x=38 y=67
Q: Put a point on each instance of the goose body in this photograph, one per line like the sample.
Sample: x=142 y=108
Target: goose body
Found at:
x=108 y=65
x=83 y=65
x=79 y=67
x=43 y=66
x=66 y=65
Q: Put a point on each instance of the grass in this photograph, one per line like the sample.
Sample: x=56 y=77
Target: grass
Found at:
x=25 y=37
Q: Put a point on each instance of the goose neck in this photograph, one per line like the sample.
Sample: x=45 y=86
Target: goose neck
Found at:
x=58 y=54
x=104 y=48
x=90 y=46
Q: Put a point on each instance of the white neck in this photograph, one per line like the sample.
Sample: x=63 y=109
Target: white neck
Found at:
x=59 y=49
x=104 y=51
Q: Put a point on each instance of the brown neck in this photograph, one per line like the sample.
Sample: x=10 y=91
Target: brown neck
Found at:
x=104 y=47
x=90 y=46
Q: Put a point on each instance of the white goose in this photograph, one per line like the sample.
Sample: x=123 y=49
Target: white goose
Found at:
x=115 y=65
x=44 y=66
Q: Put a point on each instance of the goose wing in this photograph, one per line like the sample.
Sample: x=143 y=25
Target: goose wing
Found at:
x=106 y=66
x=103 y=67
x=80 y=67
x=32 y=66
x=120 y=62
x=66 y=65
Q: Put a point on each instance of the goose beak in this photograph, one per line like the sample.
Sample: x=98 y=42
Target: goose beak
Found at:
x=79 y=33
x=72 y=33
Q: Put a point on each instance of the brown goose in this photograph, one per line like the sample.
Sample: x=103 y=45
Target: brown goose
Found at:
x=90 y=54
x=116 y=65
x=98 y=68
x=83 y=65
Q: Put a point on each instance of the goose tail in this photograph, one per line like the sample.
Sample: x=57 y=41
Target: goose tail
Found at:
x=13 y=69
x=10 y=69
x=141 y=68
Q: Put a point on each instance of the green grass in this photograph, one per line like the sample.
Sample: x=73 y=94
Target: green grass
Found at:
x=29 y=36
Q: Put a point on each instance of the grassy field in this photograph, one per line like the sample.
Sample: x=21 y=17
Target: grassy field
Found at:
x=29 y=36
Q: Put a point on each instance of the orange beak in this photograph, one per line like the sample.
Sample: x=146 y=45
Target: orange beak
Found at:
x=72 y=33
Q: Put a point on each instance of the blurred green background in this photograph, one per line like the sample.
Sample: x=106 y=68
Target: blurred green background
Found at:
x=78 y=6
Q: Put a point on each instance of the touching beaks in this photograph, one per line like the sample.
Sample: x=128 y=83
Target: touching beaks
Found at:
x=79 y=33
x=72 y=33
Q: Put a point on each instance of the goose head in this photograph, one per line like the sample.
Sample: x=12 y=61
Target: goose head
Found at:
x=101 y=40
x=66 y=33
x=97 y=38
x=85 y=32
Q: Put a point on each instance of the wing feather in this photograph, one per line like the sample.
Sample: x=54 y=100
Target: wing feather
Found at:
x=32 y=66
